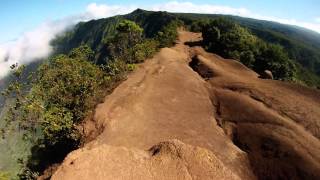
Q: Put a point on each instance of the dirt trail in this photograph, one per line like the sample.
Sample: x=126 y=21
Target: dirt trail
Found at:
x=219 y=113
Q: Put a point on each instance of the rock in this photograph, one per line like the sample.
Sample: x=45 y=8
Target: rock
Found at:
x=266 y=75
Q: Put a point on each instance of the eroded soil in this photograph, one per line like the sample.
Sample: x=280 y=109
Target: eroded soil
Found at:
x=189 y=114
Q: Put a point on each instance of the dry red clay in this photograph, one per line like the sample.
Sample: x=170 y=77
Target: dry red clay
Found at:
x=172 y=121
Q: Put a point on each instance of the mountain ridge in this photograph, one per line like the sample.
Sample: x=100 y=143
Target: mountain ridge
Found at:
x=207 y=105
x=302 y=47
x=214 y=85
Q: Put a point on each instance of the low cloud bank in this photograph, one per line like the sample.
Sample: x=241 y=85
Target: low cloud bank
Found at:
x=35 y=44
x=30 y=46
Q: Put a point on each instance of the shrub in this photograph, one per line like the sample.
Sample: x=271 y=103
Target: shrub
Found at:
x=83 y=52
x=58 y=125
x=247 y=58
x=115 y=68
x=230 y=40
x=131 y=67
x=144 y=50
x=168 y=35
x=197 y=25
x=128 y=35
x=64 y=90
x=129 y=46
x=68 y=83
x=274 y=58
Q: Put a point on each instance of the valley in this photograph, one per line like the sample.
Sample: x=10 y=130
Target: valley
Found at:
x=164 y=95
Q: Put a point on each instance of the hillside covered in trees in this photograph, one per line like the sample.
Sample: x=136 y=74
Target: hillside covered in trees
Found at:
x=47 y=107
x=301 y=46
x=89 y=60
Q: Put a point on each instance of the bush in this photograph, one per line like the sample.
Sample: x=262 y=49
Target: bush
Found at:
x=144 y=50
x=129 y=46
x=230 y=40
x=58 y=125
x=274 y=58
x=196 y=25
x=227 y=38
x=115 y=68
x=83 y=52
x=128 y=35
x=65 y=89
x=131 y=67
x=69 y=83
x=168 y=35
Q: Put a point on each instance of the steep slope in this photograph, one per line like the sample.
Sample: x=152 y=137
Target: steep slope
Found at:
x=154 y=96
x=276 y=123
x=302 y=45
x=213 y=107
x=163 y=100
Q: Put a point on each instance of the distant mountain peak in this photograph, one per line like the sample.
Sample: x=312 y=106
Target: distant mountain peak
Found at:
x=138 y=11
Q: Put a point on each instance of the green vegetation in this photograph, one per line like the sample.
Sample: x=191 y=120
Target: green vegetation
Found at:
x=99 y=34
x=129 y=46
x=302 y=46
x=168 y=34
x=4 y=175
x=144 y=50
x=65 y=89
x=94 y=56
x=230 y=40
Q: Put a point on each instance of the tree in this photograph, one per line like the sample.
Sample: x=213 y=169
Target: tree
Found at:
x=62 y=92
x=247 y=58
x=131 y=29
x=68 y=82
x=230 y=40
x=227 y=38
x=168 y=34
x=129 y=46
x=274 y=58
x=83 y=52
x=128 y=35
x=144 y=50
x=211 y=37
x=197 y=25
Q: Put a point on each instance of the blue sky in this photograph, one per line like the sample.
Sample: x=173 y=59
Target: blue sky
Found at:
x=19 y=16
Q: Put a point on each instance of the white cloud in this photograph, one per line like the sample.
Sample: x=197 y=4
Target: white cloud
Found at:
x=100 y=11
x=32 y=45
x=317 y=19
x=175 y=6
x=36 y=44
x=188 y=7
x=308 y=25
